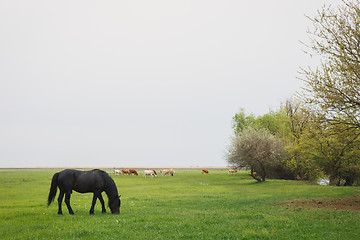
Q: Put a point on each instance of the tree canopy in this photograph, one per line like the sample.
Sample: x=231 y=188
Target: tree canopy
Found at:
x=334 y=86
x=259 y=150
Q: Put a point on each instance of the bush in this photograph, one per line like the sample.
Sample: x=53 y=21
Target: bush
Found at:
x=260 y=150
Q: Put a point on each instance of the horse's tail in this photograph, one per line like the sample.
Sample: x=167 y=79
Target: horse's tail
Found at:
x=53 y=188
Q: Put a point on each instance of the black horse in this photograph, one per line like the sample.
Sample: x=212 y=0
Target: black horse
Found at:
x=95 y=181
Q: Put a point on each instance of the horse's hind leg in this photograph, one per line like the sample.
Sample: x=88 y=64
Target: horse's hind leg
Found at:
x=67 y=201
x=60 y=198
x=102 y=203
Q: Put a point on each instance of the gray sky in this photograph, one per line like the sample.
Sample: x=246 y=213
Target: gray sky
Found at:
x=141 y=83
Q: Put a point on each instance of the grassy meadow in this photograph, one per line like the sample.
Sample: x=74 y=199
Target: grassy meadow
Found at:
x=189 y=205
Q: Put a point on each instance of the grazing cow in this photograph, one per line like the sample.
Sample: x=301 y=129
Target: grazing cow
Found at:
x=150 y=172
x=117 y=172
x=232 y=171
x=124 y=171
x=205 y=171
x=133 y=171
x=168 y=172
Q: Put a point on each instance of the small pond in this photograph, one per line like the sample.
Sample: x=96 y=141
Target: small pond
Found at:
x=323 y=181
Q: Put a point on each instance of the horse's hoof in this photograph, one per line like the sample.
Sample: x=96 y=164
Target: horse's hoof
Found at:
x=60 y=213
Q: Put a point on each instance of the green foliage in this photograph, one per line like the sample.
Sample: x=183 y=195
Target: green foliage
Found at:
x=241 y=121
x=276 y=125
x=334 y=85
x=189 y=205
x=274 y=122
x=299 y=121
x=335 y=149
x=314 y=146
x=333 y=91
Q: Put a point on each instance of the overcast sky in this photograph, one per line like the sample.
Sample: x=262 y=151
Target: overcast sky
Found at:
x=141 y=83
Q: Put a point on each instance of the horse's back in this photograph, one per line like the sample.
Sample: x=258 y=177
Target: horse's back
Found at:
x=90 y=181
x=68 y=172
x=66 y=179
x=80 y=181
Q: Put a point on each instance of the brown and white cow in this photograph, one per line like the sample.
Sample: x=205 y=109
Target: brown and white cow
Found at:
x=124 y=171
x=205 y=171
x=168 y=172
x=150 y=172
x=232 y=171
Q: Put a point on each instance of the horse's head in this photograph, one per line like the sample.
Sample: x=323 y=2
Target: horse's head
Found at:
x=114 y=205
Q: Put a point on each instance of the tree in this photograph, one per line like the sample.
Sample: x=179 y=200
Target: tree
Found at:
x=334 y=86
x=258 y=149
x=242 y=121
x=333 y=91
x=334 y=150
x=299 y=119
x=274 y=122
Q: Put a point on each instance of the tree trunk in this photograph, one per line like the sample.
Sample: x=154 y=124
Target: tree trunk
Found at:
x=254 y=175
x=332 y=178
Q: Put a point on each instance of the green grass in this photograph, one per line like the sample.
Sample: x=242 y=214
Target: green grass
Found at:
x=189 y=205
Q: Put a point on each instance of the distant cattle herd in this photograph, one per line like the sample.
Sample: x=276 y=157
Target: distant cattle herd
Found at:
x=97 y=181
x=163 y=172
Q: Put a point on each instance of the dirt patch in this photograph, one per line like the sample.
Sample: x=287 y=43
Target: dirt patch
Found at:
x=349 y=204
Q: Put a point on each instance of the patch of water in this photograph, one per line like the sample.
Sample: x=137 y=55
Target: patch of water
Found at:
x=323 y=181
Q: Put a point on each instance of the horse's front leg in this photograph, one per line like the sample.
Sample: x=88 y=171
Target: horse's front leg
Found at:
x=67 y=201
x=93 y=203
x=102 y=203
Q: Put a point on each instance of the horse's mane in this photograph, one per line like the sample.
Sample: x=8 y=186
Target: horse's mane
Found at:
x=103 y=173
x=108 y=180
x=110 y=187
